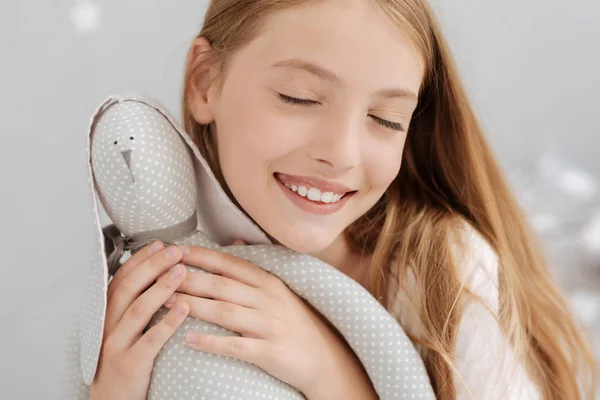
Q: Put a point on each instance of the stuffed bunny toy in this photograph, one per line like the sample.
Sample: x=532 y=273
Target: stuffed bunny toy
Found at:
x=154 y=184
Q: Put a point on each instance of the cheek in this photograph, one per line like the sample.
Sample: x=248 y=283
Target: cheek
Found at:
x=252 y=135
x=382 y=166
x=253 y=131
x=238 y=121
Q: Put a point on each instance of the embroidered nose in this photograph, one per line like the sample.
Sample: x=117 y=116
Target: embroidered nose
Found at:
x=127 y=156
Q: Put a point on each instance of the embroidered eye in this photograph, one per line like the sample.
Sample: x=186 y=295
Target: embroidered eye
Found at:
x=130 y=137
x=115 y=142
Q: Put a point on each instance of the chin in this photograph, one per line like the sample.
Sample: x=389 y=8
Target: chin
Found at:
x=305 y=243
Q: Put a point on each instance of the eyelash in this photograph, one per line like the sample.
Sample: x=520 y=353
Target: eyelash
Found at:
x=303 y=102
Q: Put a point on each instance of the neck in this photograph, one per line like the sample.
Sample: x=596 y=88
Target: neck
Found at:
x=340 y=255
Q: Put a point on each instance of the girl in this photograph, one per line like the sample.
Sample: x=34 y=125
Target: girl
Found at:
x=341 y=128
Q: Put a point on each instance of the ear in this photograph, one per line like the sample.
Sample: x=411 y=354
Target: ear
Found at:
x=202 y=83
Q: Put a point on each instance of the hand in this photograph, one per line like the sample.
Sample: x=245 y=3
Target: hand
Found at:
x=127 y=356
x=281 y=333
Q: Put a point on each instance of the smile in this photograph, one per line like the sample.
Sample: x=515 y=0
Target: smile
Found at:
x=312 y=199
x=315 y=194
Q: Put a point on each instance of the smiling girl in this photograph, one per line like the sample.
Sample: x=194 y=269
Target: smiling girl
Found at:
x=341 y=128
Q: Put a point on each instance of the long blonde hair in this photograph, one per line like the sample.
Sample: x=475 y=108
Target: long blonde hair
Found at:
x=448 y=174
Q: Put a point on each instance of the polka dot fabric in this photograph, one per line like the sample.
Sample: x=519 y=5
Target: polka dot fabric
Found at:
x=394 y=366
x=389 y=357
x=129 y=141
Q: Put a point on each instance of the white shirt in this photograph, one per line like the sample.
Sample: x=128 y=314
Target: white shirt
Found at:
x=484 y=358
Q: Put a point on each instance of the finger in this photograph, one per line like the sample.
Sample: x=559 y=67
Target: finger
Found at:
x=148 y=346
x=138 y=280
x=250 y=350
x=245 y=321
x=227 y=265
x=139 y=314
x=217 y=287
x=136 y=259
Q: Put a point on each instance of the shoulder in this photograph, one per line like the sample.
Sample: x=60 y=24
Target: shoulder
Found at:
x=484 y=359
x=477 y=265
x=477 y=262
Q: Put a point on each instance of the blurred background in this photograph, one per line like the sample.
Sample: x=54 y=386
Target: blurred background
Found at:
x=532 y=68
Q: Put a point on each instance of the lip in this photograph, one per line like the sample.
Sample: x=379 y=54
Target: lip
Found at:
x=321 y=184
x=312 y=206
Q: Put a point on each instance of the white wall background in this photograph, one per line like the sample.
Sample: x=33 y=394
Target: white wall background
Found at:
x=532 y=68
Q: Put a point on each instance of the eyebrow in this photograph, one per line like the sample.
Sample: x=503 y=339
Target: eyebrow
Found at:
x=317 y=70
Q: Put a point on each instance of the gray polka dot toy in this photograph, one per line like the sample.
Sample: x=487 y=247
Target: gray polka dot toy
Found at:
x=153 y=183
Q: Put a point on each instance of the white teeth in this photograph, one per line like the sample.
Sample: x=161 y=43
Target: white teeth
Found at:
x=327 y=197
x=315 y=194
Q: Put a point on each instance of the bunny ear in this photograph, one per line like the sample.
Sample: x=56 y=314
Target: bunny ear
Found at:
x=218 y=217
x=91 y=317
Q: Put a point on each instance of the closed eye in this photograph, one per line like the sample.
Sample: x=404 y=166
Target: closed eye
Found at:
x=389 y=124
x=304 y=102
x=294 y=100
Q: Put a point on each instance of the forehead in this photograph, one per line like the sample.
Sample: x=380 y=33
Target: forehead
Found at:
x=353 y=39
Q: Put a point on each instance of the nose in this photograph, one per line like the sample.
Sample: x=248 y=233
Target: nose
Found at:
x=127 y=156
x=338 y=145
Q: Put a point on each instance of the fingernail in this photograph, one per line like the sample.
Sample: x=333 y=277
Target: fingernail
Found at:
x=191 y=337
x=185 y=249
x=155 y=246
x=182 y=309
x=175 y=272
x=170 y=301
x=172 y=252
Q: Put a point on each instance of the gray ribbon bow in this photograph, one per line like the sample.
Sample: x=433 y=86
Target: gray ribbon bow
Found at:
x=115 y=244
